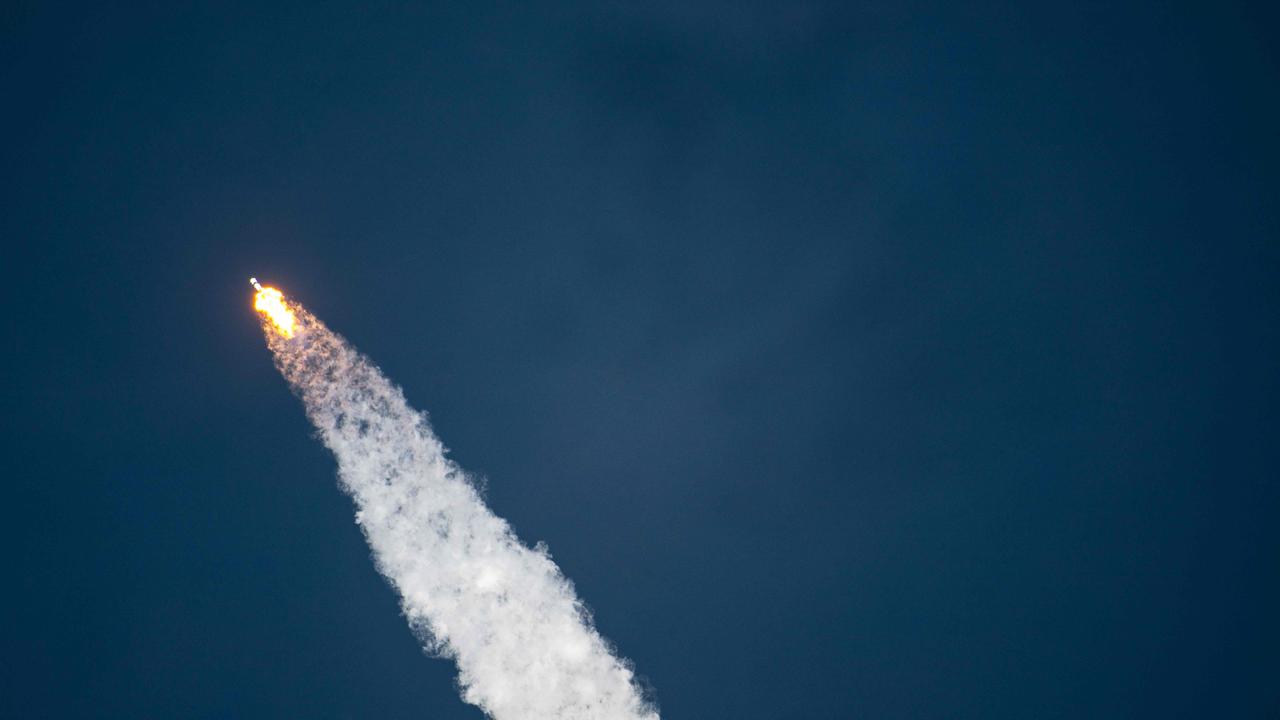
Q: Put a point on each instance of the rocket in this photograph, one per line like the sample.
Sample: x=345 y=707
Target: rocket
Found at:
x=270 y=302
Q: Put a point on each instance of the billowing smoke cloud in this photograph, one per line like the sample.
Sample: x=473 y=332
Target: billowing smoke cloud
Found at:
x=524 y=644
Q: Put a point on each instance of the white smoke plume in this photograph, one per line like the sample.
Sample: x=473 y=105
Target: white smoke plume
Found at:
x=524 y=644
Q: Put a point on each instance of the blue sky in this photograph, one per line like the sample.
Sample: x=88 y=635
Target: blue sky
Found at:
x=854 y=360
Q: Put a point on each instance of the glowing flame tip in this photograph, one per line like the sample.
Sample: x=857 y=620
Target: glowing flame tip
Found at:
x=270 y=302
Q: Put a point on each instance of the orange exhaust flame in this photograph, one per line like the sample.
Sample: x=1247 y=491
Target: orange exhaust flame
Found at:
x=270 y=302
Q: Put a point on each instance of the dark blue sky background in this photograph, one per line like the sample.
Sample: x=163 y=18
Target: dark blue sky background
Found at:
x=883 y=360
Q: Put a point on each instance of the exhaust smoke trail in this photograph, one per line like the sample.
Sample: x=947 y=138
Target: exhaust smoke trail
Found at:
x=524 y=644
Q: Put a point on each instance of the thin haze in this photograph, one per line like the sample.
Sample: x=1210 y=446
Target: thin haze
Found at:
x=524 y=644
